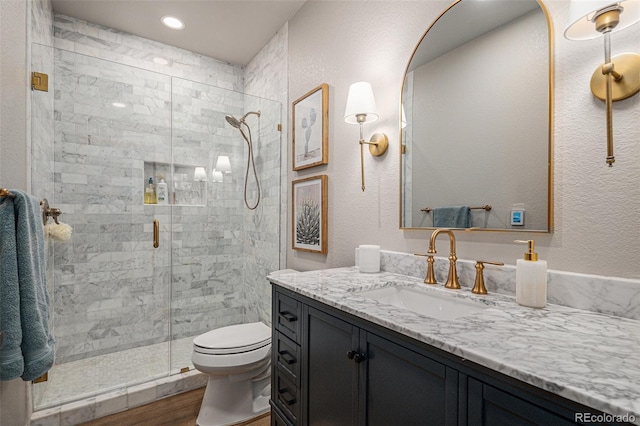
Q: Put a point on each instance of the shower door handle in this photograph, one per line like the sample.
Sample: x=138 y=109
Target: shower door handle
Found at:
x=156 y=233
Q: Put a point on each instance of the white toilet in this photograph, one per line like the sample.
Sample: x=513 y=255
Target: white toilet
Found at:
x=237 y=359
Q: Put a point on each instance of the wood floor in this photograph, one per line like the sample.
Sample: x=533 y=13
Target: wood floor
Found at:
x=179 y=410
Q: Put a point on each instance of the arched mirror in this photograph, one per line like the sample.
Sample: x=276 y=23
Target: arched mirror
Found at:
x=476 y=137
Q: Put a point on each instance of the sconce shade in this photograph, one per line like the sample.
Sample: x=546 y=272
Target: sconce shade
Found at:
x=199 y=174
x=360 y=101
x=581 y=13
x=223 y=164
x=216 y=175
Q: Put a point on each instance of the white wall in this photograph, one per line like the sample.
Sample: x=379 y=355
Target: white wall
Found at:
x=597 y=225
x=14 y=402
x=13 y=94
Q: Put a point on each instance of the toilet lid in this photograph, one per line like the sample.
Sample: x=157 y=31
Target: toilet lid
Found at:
x=234 y=338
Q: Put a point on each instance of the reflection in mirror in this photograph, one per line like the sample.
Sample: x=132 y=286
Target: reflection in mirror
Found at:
x=477 y=104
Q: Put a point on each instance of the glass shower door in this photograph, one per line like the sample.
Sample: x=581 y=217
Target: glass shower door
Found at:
x=221 y=250
x=110 y=294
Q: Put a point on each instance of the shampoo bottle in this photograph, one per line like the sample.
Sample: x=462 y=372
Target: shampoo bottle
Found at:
x=161 y=191
x=531 y=278
x=150 y=193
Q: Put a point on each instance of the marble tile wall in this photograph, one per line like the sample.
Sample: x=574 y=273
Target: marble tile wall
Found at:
x=107 y=43
x=207 y=240
x=608 y=295
x=113 y=289
x=111 y=286
x=265 y=247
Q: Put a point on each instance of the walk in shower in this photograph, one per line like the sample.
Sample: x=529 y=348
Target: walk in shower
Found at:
x=123 y=310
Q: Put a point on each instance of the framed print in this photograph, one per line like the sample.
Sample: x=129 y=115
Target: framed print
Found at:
x=309 y=200
x=310 y=129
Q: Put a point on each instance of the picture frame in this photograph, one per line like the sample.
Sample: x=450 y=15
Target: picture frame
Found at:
x=309 y=219
x=310 y=135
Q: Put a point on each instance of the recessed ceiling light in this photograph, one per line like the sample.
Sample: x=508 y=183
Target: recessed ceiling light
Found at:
x=172 y=22
x=118 y=104
x=160 y=61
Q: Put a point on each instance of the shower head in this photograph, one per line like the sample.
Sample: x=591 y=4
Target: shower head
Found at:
x=248 y=114
x=233 y=121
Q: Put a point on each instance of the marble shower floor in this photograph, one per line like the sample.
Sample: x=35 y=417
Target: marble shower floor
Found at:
x=85 y=378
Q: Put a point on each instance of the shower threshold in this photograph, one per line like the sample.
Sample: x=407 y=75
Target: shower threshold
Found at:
x=119 y=380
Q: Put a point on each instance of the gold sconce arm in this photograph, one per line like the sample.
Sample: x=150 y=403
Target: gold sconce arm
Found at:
x=377 y=146
x=619 y=77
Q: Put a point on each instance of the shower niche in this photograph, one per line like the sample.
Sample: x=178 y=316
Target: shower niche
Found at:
x=186 y=185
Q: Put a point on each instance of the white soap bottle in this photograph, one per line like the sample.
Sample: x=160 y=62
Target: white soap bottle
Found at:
x=161 y=191
x=531 y=278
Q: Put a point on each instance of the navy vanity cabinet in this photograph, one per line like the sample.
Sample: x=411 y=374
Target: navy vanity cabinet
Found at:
x=350 y=375
x=342 y=370
x=488 y=405
x=402 y=387
x=330 y=370
x=285 y=360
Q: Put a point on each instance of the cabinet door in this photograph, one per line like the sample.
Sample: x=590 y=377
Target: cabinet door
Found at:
x=402 y=387
x=493 y=407
x=331 y=376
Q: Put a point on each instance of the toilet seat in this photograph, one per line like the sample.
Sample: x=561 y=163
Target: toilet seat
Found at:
x=234 y=339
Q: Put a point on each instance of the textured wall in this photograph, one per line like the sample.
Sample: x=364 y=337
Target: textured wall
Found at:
x=597 y=228
x=13 y=94
x=21 y=23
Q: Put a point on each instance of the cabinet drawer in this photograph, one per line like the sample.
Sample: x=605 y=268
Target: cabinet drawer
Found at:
x=287 y=356
x=287 y=398
x=277 y=419
x=288 y=313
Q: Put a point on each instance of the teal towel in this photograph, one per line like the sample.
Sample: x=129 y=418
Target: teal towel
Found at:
x=27 y=347
x=451 y=217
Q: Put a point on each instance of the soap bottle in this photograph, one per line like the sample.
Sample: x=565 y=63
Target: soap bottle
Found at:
x=150 y=193
x=531 y=278
x=162 y=192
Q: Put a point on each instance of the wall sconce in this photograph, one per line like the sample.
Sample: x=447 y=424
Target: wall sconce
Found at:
x=216 y=175
x=200 y=174
x=361 y=107
x=223 y=164
x=619 y=77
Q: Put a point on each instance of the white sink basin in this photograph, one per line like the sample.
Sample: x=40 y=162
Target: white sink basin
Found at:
x=426 y=303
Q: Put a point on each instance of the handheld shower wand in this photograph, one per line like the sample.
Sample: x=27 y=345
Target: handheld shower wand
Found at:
x=250 y=160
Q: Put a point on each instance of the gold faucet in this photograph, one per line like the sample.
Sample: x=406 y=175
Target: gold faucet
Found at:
x=452 y=279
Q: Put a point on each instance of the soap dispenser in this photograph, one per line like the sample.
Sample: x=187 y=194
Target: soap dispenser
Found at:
x=150 y=193
x=531 y=278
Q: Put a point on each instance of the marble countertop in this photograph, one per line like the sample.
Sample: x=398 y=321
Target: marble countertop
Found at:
x=587 y=357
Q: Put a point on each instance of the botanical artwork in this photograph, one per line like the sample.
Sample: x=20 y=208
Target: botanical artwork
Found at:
x=309 y=214
x=310 y=129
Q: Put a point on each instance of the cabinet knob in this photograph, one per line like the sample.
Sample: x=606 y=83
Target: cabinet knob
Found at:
x=351 y=354
x=359 y=358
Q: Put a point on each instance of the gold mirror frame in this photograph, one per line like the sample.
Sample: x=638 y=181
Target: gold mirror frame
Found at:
x=549 y=132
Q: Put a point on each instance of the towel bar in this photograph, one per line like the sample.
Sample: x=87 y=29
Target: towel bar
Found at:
x=6 y=193
x=486 y=207
x=49 y=212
